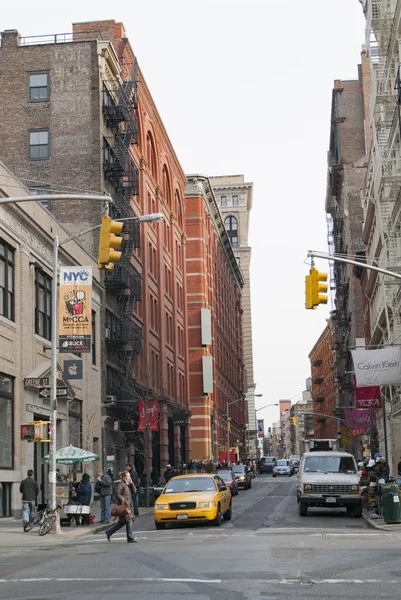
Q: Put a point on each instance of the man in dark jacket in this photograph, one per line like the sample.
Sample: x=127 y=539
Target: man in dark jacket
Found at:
x=168 y=473
x=84 y=495
x=104 y=488
x=29 y=489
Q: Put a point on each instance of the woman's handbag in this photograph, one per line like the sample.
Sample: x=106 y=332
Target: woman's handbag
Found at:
x=121 y=511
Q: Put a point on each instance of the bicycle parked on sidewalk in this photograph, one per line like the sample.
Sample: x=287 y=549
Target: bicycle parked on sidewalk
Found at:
x=45 y=518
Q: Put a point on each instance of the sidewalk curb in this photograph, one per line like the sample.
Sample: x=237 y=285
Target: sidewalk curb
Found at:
x=381 y=526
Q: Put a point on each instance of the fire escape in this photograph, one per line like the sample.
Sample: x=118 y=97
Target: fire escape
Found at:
x=124 y=282
x=339 y=281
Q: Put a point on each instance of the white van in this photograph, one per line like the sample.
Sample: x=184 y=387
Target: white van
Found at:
x=328 y=479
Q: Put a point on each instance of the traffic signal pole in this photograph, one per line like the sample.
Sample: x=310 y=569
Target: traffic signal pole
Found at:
x=312 y=254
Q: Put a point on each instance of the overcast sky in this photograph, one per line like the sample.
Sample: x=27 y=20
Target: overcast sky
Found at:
x=244 y=86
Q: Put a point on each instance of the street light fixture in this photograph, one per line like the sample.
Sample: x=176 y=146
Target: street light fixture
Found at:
x=243 y=397
x=266 y=405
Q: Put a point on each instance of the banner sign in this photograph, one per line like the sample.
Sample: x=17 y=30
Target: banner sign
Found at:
x=72 y=369
x=179 y=417
x=261 y=428
x=346 y=436
x=377 y=367
x=367 y=397
x=149 y=419
x=359 y=431
x=75 y=309
x=358 y=419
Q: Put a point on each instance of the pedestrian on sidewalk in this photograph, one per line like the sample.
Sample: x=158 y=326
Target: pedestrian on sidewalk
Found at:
x=168 y=473
x=29 y=489
x=123 y=496
x=135 y=480
x=104 y=488
x=84 y=495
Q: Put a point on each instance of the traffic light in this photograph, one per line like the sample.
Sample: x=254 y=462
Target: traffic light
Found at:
x=293 y=421
x=315 y=292
x=35 y=431
x=110 y=239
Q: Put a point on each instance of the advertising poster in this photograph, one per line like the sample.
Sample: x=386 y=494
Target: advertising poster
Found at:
x=149 y=418
x=261 y=428
x=75 y=309
x=377 y=367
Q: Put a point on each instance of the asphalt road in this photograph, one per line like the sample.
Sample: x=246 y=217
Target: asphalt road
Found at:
x=266 y=552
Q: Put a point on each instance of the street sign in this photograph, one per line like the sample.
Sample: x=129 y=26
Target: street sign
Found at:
x=40 y=381
x=45 y=392
x=37 y=381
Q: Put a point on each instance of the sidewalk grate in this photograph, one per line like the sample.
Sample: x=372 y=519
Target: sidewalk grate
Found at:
x=354 y=526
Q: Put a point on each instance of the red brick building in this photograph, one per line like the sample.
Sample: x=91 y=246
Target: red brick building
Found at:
x=216 y=369
x=86 y=121
x=323 y=385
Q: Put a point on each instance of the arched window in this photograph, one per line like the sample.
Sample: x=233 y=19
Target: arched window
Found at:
x=231 y=225
x=179 y=208
x=150 y=154
x=166 y=187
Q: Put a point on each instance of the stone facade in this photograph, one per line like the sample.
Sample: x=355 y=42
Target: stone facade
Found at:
x=214 y=286
x=27 y=230
x=238 y=196
x=382 y=207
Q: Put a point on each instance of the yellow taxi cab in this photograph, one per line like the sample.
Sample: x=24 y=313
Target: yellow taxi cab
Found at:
x=197 y=497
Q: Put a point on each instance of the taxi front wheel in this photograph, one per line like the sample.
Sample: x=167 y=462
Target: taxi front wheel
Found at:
x=217 y=520
x=227 y=515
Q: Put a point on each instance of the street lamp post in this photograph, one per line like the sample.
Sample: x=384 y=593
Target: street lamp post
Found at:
x=261 y=408
x=229 y=422
x=151 y=218
x=106 y=199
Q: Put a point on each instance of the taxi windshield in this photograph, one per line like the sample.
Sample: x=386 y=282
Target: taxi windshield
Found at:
x=190 y=484
x=329 y=464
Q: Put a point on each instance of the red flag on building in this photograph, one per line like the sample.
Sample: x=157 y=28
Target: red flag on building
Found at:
x=149 y=418
x=367 y=397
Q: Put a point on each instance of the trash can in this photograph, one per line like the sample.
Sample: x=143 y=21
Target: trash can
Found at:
x=391 y=503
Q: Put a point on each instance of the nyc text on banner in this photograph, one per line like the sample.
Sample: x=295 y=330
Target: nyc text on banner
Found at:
x=75 y=309
x=377 y=367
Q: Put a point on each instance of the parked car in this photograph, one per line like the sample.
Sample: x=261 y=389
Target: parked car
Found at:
x=266 y=464
x=243 y=476
x=283 y=466
x=230 y=481
x=295 y=461
x=193 y=498
x=328 y=479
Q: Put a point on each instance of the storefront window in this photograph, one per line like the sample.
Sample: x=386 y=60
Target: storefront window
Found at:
x=6 y=421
